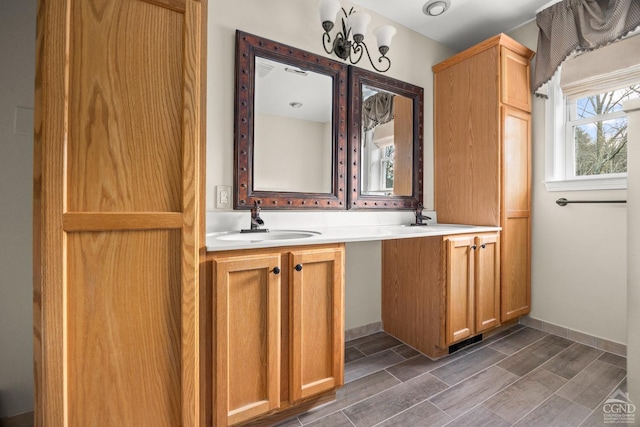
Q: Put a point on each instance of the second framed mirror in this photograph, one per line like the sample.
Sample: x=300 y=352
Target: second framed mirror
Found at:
x=385 y=142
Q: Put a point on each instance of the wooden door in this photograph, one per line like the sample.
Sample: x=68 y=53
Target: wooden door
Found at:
x=247 y=348
x=516 y=214
x=514 y=78
x=118 y=224
x=487 y=282
x=316 y=321
x=460 y=288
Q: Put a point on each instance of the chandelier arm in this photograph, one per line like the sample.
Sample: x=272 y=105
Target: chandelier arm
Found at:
x=326 y=41
x=356 y=52
x=382 y=69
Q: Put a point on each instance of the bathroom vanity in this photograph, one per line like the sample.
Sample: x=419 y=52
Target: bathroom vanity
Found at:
x=278 y=307
x=279 y=328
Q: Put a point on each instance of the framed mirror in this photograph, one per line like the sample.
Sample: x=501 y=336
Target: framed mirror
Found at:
x=385 y=142
x=290 y=127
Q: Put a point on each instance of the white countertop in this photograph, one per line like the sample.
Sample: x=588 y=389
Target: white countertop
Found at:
x=219 y=241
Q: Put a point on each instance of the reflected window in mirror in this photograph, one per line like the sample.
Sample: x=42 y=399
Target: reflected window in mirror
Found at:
x=290 y=127
x=386 y=145
x=385 y=142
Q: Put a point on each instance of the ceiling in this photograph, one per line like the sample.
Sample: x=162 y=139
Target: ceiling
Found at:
x=464 y=24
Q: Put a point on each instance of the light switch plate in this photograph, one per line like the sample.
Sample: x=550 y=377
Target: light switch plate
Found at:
x=223 y=196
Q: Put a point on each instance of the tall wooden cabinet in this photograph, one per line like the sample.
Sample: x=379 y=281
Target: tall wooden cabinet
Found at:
x=482 y=154
x=278 y=316
x=118 y=221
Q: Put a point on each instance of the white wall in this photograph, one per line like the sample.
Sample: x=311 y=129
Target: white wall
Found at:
x=633 y=255
x=17 y=71
x=284 y=144
x=579 y=251
x=297 y=23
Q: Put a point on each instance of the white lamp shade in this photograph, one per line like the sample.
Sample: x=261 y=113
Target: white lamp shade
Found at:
x=383 y=34
x=358 y=22
x=328 y=10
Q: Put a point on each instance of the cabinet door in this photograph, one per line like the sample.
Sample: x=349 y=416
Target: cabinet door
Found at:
x=118 y=213
x=515 y=79
x=516 y=214
x=316 y=321
x=460 y=273
x=247 y=302
x=487 y=282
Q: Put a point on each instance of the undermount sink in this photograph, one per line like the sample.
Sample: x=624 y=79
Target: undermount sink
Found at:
x=266 y=235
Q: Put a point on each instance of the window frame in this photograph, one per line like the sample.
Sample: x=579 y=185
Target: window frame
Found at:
x=382 y=163
x=560 y=148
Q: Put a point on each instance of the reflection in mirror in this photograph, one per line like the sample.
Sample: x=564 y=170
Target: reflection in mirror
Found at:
x=290 y=127
x=292 y=124
x=386 y=145
x=385 y=142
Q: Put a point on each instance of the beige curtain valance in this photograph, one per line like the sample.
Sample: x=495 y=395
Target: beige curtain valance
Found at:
x=613 y=66
x=580 y=25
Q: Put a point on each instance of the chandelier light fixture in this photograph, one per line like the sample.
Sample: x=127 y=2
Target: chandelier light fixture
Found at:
x=349 y=42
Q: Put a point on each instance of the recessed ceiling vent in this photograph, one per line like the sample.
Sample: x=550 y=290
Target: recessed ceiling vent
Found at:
x=436 y=7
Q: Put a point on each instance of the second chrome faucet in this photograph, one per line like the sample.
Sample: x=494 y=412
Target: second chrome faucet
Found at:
x=420 y=217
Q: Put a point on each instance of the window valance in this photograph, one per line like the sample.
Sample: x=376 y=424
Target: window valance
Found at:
x=580 y=25
x=614 y=66
x=377 y=110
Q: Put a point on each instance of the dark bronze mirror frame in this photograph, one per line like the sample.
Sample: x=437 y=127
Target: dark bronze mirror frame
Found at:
x=356 y=200
x=249 y=46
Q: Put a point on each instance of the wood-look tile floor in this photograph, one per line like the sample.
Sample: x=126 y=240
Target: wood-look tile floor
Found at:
x=521 y=376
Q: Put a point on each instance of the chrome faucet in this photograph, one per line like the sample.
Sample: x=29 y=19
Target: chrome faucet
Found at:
x=256 y=222
x=420 y=217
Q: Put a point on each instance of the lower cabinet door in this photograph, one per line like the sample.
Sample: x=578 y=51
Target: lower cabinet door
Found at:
x=487 y=282
x=247 y=346
x=316 y=321
x=459 y=288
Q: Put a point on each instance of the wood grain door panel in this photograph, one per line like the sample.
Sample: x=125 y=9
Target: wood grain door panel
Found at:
x=247 y=298
x=125 y=126
x=515 y=88
x=460 y=289
x=516 y=214
x=123 y=335
x=516 y=268
x=118 y=224
x=487 y=282
x=316 y=322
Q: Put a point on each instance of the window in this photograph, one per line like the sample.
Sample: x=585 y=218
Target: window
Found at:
x=586 y=127
x=589 y=139
x=597 y=130
x=386 y=167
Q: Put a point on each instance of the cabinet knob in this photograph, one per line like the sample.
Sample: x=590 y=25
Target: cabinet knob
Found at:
x=474 y=247
x=298 y=267
x=276 y=270
x=484 y=245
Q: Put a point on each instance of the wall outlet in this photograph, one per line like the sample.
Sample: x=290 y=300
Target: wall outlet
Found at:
x=223 y=196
